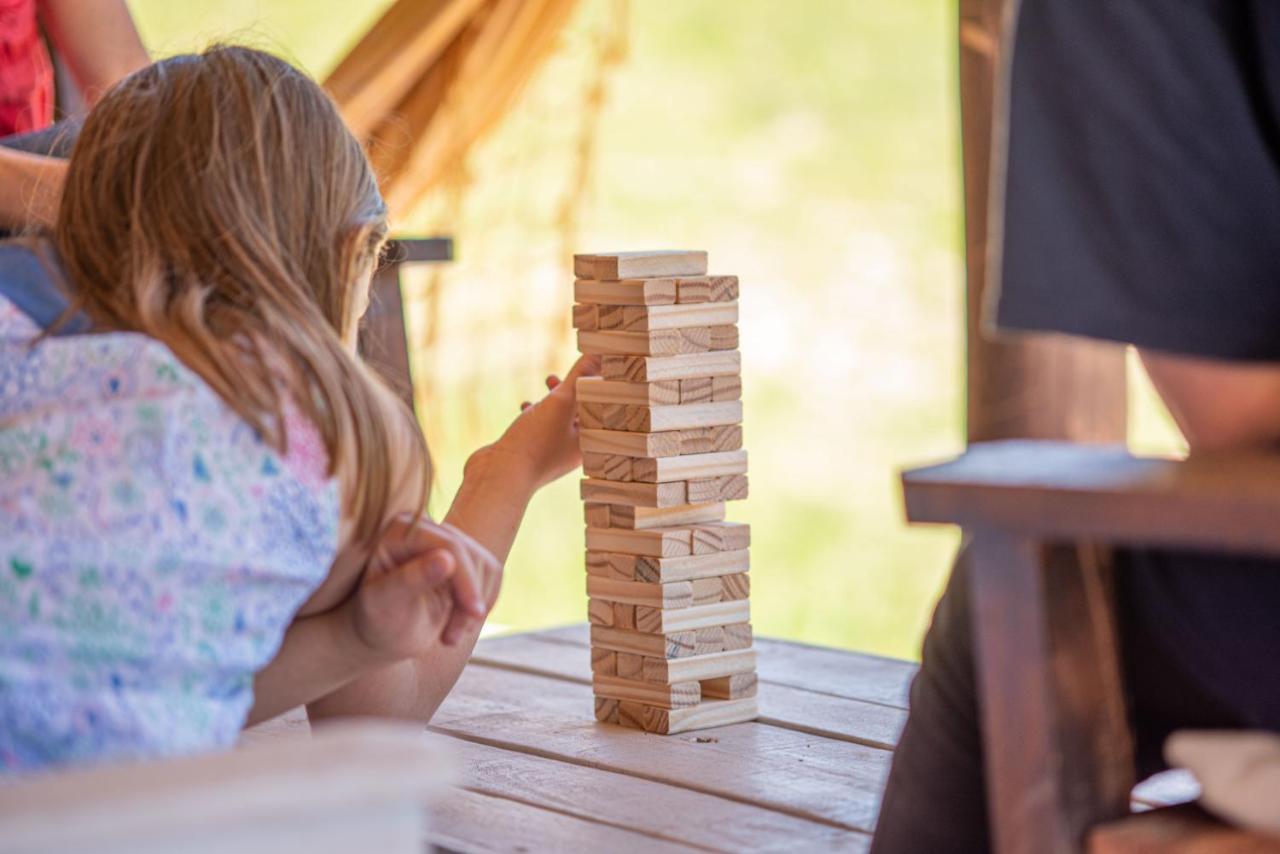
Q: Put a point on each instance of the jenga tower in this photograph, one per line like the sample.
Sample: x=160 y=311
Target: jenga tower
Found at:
x=662 y=453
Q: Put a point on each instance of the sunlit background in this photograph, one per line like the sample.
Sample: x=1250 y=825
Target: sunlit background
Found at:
x=812 y=149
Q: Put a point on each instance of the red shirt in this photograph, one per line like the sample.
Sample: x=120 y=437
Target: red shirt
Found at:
x=26 y=74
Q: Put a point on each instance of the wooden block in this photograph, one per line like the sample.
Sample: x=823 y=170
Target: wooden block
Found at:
x=601 y=416
x=706 y=591
x=640 y=265
x=708 y=640
x=683 y=367
x=608 y=467
x=626 y=292
x=599 y=612
x=722 y=288
x=660 y=342
x=729 y=488
x=624 y=616
x=706 y=440
x=657 y=542
x=697 y=390
x=677 y=594
x=606 y=710
x=688 y=466
x=720 y=537
x=633 y=494
x=693 y=290
x=699 y=667
x=622 y=417
x=646 y=318
x=668 y=569
x=678 y=695
x=597 y=514
x=604 y=661
x=610 y=317
x=658 y=621
x=600 y=390
x=673 y=645
x=722 y=388
x=585 y=317
x=721 y=338
x=736 y=586
x=611 y=565
x=659 y=517
x=630 y=665
x=734 y=687
x=705 y=715
x=737 y=636
x=630 y=444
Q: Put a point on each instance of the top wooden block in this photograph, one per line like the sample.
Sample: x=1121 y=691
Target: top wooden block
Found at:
x=640 y=265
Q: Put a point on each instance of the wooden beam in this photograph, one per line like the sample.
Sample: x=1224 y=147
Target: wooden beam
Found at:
x=1036 y=386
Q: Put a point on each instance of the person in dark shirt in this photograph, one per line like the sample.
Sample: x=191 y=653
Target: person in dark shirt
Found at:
x=1141 y=204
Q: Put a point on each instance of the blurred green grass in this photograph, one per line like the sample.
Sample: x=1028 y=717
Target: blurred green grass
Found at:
x=812 y=149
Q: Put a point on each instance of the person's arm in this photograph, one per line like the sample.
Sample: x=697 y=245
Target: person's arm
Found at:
x=97 y=40
x=30 y=187
x=498 y=483
x=1218 y=405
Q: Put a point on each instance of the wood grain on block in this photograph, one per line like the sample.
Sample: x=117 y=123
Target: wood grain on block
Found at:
x=661 y=342
x=657 y=517
x=697 y=390
x=737 y=636
x=606 y=710
x=630 y=444
x=721 y=337
x=699 y=667
x=597 y=515
x=693 y=291
x=624 y=616
x=585 y=317
x=723 y=288
x=682 y=417
x=656 y=542
x=705 y=591
x=705 y=715
x=600 y=390
x=658 y=621
x=708 y=640
x=682 y=367
x=678 y=695
x=640 y=265
x=677 y=594
x=737 y=586
x=688 y=466
x=673 y=645
x=720 y=537
x=722 y=388
x=625 y=292
x=633 y=494
x=611 y=565
x=705 y=440
x=601 y=416
x=604 y=661
x=609 y=317
x=733 y=687
x=600 y=613
x=607 y=467
x=669 y=569
x=728 y=488
x=646 y=318
x=630 y=665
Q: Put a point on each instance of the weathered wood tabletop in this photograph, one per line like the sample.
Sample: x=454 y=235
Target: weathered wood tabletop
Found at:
x=538 y=773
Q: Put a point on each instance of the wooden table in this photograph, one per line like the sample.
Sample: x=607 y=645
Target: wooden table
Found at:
x=539 y=773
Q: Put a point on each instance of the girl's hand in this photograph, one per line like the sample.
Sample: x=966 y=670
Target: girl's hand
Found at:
x=544 y=438
x=426 y=583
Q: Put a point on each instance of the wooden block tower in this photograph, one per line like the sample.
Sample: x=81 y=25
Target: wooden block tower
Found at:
x=662 y=452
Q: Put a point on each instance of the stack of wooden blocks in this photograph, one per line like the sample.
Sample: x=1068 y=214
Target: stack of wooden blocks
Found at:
x=662 y=452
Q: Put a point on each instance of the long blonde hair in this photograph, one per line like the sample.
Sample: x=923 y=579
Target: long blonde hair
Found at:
x=217 y=203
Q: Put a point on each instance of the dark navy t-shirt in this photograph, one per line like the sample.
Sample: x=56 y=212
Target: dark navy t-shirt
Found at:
x=1142 y=205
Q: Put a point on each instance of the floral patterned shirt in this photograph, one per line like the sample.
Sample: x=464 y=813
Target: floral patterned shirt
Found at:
x=153 y=549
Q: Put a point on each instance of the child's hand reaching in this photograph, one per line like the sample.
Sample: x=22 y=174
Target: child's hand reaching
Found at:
x=426 y=583
x=544 y=438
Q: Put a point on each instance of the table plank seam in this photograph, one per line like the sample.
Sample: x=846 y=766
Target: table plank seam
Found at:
x=653 y=778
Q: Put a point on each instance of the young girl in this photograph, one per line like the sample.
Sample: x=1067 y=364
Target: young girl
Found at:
x=210 y=510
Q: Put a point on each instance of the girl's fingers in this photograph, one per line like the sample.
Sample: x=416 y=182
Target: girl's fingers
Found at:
x=525 y=406
x=552 y=382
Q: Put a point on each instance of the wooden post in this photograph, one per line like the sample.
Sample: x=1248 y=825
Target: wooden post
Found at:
x=1036 y=387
